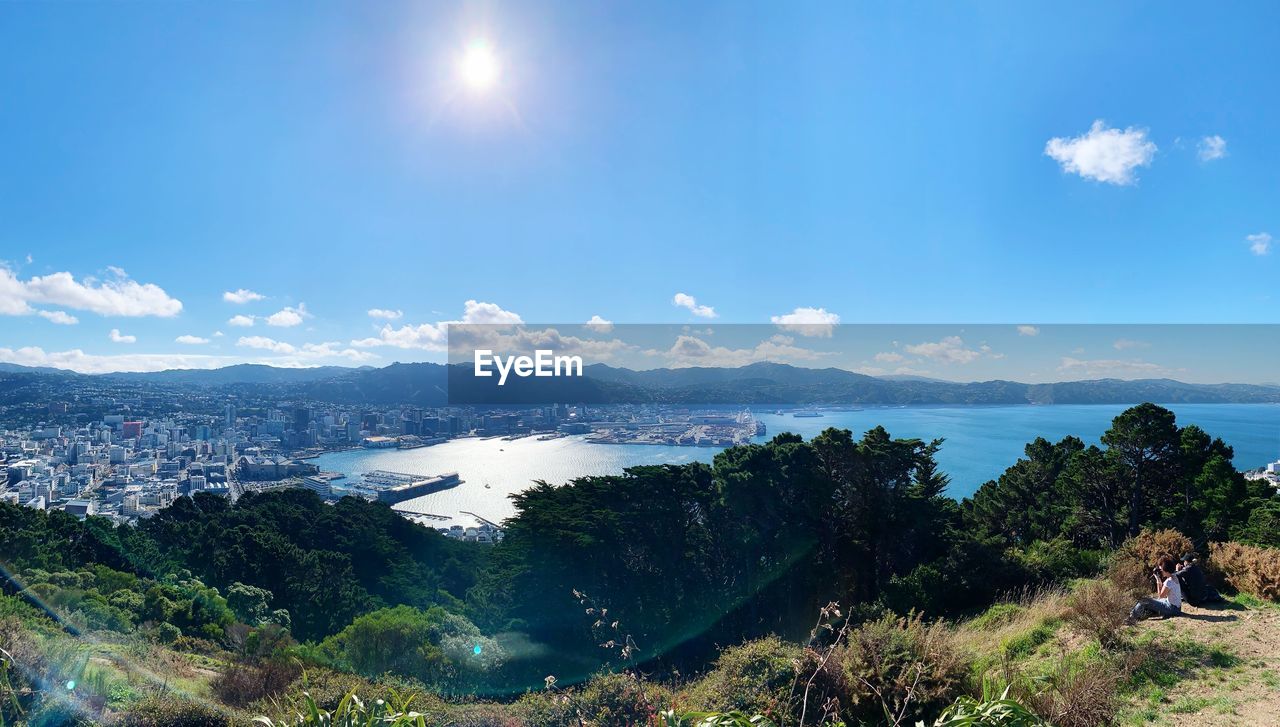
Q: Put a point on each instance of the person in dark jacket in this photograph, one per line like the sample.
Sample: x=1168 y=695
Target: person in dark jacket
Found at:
x=1195 y=587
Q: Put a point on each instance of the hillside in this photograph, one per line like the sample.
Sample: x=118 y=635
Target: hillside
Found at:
x=1243 y=686
x=834 y=561
x=762 y=384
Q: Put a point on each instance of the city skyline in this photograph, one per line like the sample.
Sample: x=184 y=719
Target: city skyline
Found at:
x=334 y=188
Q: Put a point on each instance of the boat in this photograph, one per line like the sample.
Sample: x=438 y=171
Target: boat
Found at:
x=807 y=414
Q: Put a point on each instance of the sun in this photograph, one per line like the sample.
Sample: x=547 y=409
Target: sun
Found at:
x=478 y=67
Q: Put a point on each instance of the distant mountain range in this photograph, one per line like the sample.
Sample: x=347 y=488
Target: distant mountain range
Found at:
x=427 y=384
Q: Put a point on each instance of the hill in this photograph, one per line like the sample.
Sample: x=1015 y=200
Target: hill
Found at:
x=764 y=384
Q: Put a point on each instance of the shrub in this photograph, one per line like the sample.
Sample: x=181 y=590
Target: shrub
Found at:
x=170 y=711
x=619 y=700
x=351 y=712
x=433 y=646
x=1075 y=693
x=901 y=666
x=1001 y=712
x=166 y=633
x=326 y=687
x=1056 y=560
x=1263 y=526
x=1131 y=564
x=1249 y=568
x=756 y=677
x=241 y=684
x=1098 y=609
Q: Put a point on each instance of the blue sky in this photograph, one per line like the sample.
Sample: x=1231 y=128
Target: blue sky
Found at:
x=877 y=162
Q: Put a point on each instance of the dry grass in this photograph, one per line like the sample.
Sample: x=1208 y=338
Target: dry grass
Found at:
x=1034 y=609
x=1098 y=609
x=1073 y=693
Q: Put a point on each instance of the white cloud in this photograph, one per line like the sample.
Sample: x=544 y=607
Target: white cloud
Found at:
x=478 y=313
x=1211 y=147
x=288 y=316
x=427 y=336
x=241 y=296
x=599 y=325
x=948 y=350
x=332 y=349
x=693 y=351
x=217 y=334
x=685 y=300
x=117 y=296
x=389 y=315
x=266 y=344
x=85 y=363
x=1260 y=243
x=13 y=295
x=1028 y=331
x=433 y=336
x=190 y=340
x=889 y=357
x=808 y=322
x=328 y=349
x=118 y=337
x=524 y=340
x=1113 y=368
x=62 y=318
x=241 y=321
x=1103 y=154
x=1126 y=344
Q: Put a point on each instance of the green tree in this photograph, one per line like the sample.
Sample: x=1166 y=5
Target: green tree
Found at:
x=1144 y=443
x=250 y=604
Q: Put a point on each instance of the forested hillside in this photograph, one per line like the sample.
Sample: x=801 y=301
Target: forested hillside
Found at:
x=657 y=568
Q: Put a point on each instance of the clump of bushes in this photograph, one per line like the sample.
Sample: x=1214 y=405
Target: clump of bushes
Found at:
x=1130 y=568
x=243 y=683
x=1248 y=568
x=170 y=710
x=620 y=699
x=893 y=660
x=1098 y=609
x=1003 y=711
x=1076 y=691
x=756 y=677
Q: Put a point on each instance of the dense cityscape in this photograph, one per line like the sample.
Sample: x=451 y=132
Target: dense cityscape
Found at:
x=125 y=452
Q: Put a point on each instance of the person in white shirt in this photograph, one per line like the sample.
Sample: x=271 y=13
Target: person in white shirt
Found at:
x=1168 y=598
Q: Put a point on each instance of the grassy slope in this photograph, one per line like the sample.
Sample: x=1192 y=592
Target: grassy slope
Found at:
x=1240 y=685
x=1219 y=666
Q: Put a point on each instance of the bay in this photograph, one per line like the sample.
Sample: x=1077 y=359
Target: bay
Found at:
x=980 y=443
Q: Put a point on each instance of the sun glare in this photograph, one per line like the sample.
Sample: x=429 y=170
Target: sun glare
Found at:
x=478 y=68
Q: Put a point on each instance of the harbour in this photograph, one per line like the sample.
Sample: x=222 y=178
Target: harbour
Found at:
x=980 y=442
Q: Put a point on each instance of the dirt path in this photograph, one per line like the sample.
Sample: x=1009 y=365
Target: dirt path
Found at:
x=1243 y=689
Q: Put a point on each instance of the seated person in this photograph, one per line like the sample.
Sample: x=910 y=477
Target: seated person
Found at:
x=1195 y=587
x=1168 y=598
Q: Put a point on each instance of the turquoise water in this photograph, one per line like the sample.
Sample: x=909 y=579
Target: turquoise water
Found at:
x=980 y=443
